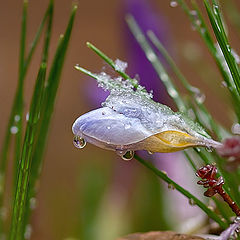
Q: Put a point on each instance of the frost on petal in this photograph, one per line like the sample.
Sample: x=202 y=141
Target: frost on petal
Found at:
x=129 y=120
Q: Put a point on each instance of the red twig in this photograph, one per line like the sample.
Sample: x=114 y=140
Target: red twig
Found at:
x=214 y=185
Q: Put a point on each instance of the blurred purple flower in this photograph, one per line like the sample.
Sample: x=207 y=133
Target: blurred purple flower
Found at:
x=148 y=19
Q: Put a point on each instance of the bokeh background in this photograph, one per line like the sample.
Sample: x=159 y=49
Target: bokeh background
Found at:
x=91 y=193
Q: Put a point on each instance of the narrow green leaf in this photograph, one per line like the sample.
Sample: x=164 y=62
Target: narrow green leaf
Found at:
x=152 y=57
x=220 y=34
x=186 y=193
x=193 y=91
x=19 y=207
x=111 y=63
x=47 y=107
x=15 y=119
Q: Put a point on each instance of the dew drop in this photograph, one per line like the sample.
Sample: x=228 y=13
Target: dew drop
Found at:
x=173 y=93
x=223 y=84
x=191 y=202
x=33 y=203
x=173 y=3
x=128 y=155
x=149 y=152
x=27 y=116
x=79 y=142
x=199 y=96
x=16 y=118
x=14 y=129
x=198 y=149
x=164 y=172
x=28 y=232
x=211 y=208
x=209 y=149
x=127 y=126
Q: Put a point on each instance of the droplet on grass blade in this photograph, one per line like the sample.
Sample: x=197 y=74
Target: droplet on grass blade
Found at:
x=14 y=129
x=173 y=3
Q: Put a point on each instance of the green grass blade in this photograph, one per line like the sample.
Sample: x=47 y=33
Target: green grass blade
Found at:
x=48 y=106
x=152 y=57
x=191 y=90
x=203 y=31
x=44 y=60
x=17 y=108
x=183 y=191
x=16 y=112
x=112 y=64
x=17 y=228
x=215 y=18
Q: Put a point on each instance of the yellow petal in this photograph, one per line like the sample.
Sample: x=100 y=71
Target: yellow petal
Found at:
x=169 y=141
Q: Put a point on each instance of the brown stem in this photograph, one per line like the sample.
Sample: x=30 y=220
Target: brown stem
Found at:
x=229 y=201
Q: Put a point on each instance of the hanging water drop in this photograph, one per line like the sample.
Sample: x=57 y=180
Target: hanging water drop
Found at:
x=173 y=3
x=128 y=155
x=79 y=142
x=149 y=152
x=209 y=149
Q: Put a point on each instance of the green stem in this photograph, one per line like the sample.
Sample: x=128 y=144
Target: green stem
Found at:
x=17 y=227
x=186 y=193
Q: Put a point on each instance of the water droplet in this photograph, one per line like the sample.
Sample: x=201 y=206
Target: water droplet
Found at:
x=236 y=128
x=223 y=84
x=209 y=149
x=172 y=92
x=27 y=116
x=171 y=186
x=16 y=118
x=164 y=172
x=211 y=208
x=128 y=155
x=108 y=127
x=79 y=142
x=28 y=232
x=173 y=3
x=33 y=203
x=149 y=152
x=198 y=149
x=228 y=48
x=14 y=129
x=191 y=202
x=127 y=126
x=199 y=96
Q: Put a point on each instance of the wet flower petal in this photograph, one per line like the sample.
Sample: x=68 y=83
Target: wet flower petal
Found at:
x=131 y=121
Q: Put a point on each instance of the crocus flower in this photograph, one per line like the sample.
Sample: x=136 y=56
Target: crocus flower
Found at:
x=130 y=120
